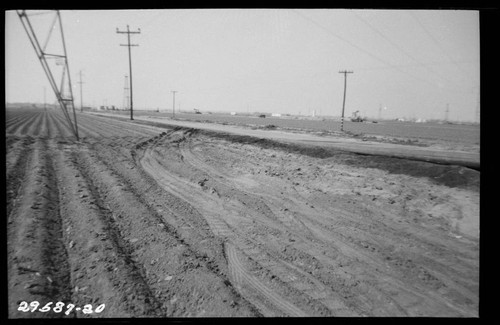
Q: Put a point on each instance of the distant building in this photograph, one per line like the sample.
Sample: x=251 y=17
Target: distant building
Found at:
x=276 y=115
x=233 y=113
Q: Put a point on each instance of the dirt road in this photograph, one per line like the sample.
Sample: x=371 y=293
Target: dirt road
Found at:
x=164 y=222
x=433 y=151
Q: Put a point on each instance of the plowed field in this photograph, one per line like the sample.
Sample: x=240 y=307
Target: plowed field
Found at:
x=173 y=222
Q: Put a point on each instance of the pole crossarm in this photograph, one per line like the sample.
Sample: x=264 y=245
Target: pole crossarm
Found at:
x=42 y=56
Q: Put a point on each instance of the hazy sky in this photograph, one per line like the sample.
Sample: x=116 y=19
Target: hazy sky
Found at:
x=413 y=63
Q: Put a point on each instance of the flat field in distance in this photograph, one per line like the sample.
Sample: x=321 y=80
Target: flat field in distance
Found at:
x=466 y=134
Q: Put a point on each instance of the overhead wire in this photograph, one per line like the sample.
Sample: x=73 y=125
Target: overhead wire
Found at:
x=438 y=44
x=394 y=44
x=375 y=57
x=328 y=31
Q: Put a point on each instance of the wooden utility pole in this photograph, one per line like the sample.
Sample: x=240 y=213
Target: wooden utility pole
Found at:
x=128 y=32
x=173 y=106
x=345 y=72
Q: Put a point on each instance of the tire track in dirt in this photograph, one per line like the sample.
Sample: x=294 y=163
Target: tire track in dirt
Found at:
x=216 y=225
x=180 y=187
x=38 y=268
x=183 y=187
x=193 y=249
x=301 y=279
x=365 y=258
x=158 y=239
x=242 y=277
x=359 y=218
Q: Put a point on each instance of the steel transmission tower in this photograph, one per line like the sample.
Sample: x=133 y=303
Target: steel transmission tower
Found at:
x=128 y=32
x=54 y=60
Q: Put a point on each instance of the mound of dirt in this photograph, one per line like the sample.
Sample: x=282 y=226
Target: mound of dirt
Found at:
x=448 y=175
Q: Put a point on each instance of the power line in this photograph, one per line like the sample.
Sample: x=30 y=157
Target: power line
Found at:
x=361 y=49
x=402 y=50
x=128 y=32
x=419 y=65
x=438 y=43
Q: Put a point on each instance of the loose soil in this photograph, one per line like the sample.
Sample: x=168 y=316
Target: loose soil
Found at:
x=164 y=221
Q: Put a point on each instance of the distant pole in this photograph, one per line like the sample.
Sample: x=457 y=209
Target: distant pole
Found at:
x=379 y=111
x=345 y=72
x=81 y=92
x=446 y=113
x=44 y=99
x=128 y=32
x=126 y=94
x=173 y=106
